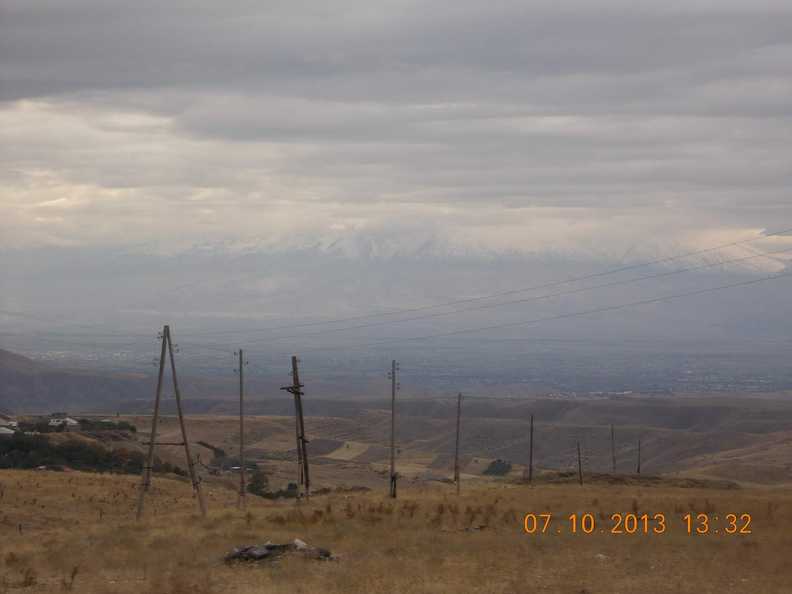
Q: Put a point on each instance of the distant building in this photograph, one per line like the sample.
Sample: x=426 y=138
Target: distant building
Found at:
x=8 y=422
x=65 y=421
x=6 y=432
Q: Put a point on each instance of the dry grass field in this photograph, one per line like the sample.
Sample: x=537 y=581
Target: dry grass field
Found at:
x=76 y=532
x=744 y=439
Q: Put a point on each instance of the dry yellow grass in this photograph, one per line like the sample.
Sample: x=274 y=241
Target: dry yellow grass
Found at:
x=349 y=451
x=78 y=534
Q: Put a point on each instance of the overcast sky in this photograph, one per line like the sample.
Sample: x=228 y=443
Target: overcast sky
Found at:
x=605 y=131
x=505 y=125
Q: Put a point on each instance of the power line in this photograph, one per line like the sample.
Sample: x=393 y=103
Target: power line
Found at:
x=126 y=336
x=560 y=316
x=548 y=285
x=528 y=299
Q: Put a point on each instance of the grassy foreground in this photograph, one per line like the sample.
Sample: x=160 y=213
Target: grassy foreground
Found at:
x=76 y=532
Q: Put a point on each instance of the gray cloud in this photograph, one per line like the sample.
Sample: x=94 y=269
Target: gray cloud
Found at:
x=505 y=125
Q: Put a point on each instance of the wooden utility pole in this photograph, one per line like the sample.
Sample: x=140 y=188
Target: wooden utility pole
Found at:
x=580 y=466
x=146 y=478
x=298 y=444
x=530 y=453
x=456 y=448
x=613 y=450
x=394 y=386
x=146 y=475
x=302 y=452
x=638 y=471
x=242 y=503
x=303 y=440
x=190 y=465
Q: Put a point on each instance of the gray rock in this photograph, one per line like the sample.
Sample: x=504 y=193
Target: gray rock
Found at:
x=270 y=551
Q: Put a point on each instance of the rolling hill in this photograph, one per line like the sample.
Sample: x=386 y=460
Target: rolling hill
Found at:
x=27 y=386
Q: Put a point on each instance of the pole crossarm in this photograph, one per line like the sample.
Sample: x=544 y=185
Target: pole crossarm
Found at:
x=294 y=389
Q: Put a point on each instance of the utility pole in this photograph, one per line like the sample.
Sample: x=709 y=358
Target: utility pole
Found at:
x=530 y=453
x=145 y=482
x=639 y=457
x=394 y=386
x=298 y=444
x=456 y=449
x=242 y=503
x=146 y=478
x=580 y=466
x=190 y=466
x=298 y=393
x=613 y=450
x=302 y=453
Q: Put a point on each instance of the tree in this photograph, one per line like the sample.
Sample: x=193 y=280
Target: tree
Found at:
x=498 y=468
x=259 y=483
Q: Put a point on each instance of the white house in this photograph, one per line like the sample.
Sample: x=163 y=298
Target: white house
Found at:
x=8 y=422
x=67 y=422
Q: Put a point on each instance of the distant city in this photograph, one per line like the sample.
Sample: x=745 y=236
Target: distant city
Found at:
x=487 y=368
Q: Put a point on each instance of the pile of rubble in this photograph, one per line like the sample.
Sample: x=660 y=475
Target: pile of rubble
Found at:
x=270 y=551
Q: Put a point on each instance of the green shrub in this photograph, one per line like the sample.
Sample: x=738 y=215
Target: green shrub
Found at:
x=498 y=468
x=32 y=451
x=259 y=483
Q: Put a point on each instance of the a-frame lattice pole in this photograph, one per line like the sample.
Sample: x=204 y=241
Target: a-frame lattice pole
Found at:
x=167 y=348
x=145 y=480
